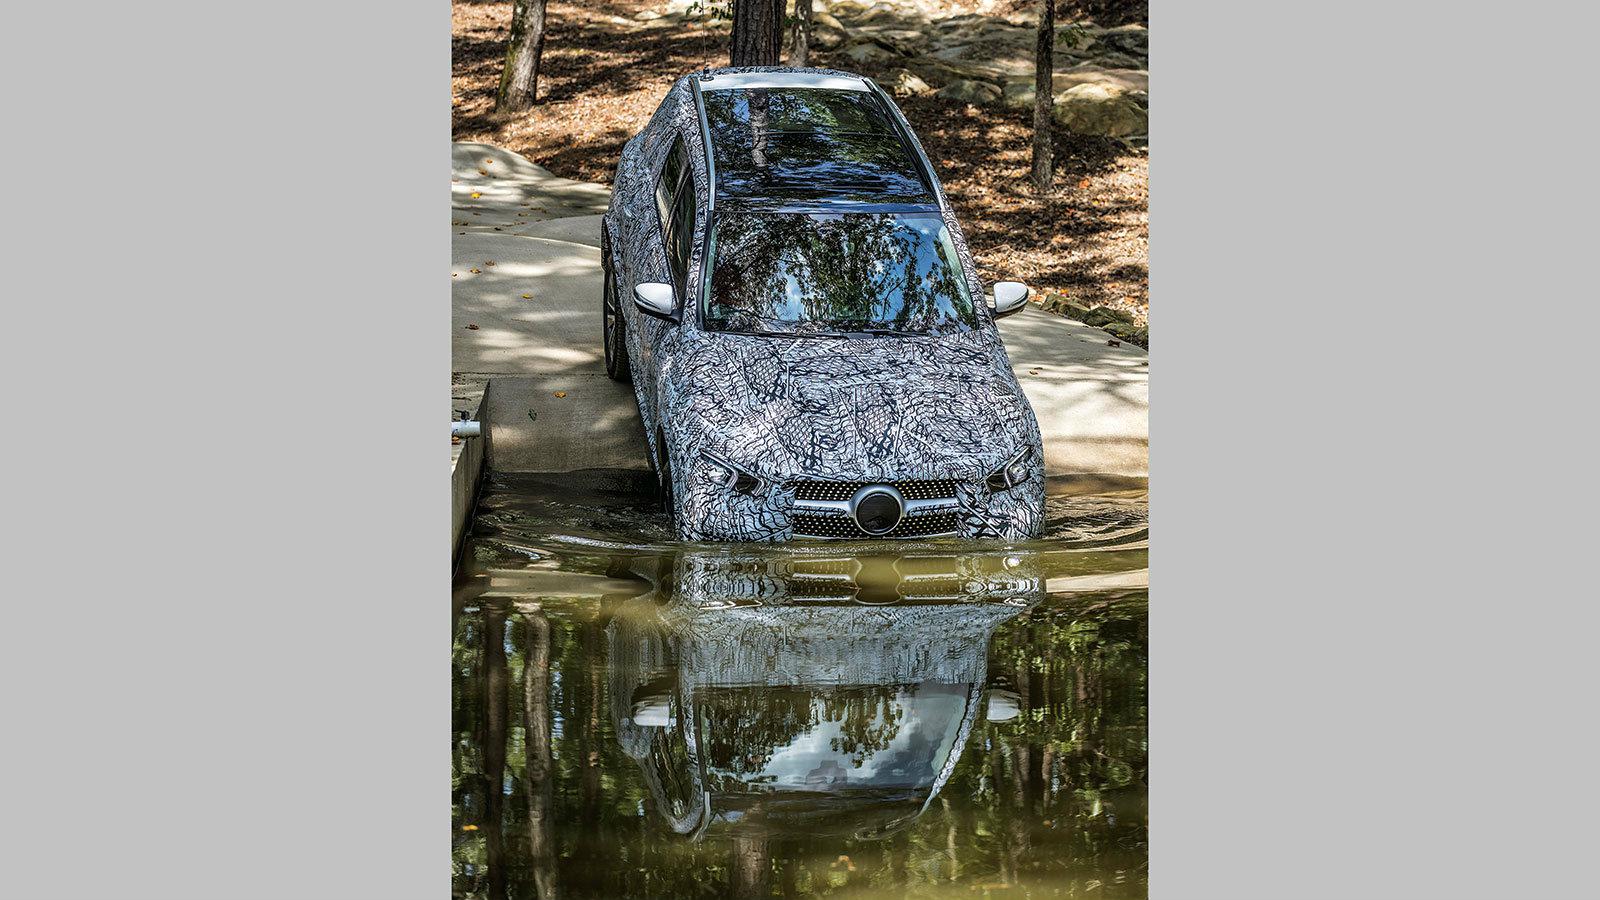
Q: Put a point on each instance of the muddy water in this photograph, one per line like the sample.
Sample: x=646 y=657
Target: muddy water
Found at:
x=640 y=717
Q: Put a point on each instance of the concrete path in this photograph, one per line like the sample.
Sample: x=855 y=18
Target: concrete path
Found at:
x=551 y=407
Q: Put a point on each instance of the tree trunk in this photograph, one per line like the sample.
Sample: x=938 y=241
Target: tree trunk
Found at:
x=519 y=80
x=800 y=45
x=1044 y=52
x=540 y=765
x=757 y=32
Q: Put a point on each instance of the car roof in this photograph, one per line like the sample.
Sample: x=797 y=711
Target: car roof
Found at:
x=808 y=138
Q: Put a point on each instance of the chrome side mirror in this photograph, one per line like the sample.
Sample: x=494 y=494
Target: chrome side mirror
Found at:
x=1009 y=297
x=655 y=299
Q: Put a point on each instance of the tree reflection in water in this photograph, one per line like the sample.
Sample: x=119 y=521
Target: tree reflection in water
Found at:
x=730 y=728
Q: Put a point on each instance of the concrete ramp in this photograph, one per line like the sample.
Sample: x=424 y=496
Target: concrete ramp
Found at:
x=561 y=423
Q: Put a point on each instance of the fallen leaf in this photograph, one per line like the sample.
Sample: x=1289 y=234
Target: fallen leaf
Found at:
x=482 y=172
x=527 y=296
x=489 y=263
x=476 y=194
x=488 y=162
x=1083 y=183
x=472 y=328
x=474 y=270
x=560 y=394
x=469 y=828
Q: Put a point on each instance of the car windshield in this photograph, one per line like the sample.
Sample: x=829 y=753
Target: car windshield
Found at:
x=835 y=273
x=830 y=739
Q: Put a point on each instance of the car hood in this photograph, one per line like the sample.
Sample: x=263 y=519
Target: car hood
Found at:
x=867 y=408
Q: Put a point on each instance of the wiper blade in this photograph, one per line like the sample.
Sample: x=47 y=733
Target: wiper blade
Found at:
x=894 y=332
x=788 y=334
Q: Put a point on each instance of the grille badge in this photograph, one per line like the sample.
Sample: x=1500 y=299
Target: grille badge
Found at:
x=877 y=508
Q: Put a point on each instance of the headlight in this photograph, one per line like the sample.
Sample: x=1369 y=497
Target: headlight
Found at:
x=722 y=473
x=1013 y=472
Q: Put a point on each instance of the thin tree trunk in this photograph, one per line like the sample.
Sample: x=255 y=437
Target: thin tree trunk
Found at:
x=519 y=80
x=494 y=748
x=800 y=44
x=757 y=32
x=540 y=769
x=1044 y=52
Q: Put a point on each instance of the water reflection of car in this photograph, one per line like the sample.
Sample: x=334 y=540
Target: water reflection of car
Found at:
x=803 y=325
x=749 y=704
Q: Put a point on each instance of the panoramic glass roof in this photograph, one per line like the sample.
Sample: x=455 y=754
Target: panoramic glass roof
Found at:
x=805 y=145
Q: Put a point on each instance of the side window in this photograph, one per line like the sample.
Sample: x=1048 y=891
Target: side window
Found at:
x=671 y=174
x=676 y=205
x=681 y=235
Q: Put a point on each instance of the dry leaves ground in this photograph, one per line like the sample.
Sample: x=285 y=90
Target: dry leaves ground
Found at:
x=603 y=73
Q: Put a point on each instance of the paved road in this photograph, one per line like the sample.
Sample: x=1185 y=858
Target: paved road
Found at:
x=537 y=312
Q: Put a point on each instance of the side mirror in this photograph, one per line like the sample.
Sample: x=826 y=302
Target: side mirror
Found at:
x=1003 y=705
x=653 y=711
x=1009 y=297
x=655 y=299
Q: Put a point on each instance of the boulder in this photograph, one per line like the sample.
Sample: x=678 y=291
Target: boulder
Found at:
x=870 y=52
x=1126 y=79
x=826 y=37
x=904 y=83
x=1018 y=94
x=821 y=18
x=1131 y=39
x=967 y=91
x=1101 y=316
x=902 y=40
x=1103 y=109
x=849 y=9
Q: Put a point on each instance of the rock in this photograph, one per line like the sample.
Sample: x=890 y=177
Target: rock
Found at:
x=825 y=37
x=1073 y=37
x=904 y=83
x=1124 y=330
x=1060 y=305
x=870 y=52
x=1127 y=79
x=965 y=91
x=1103 y=109
x=1106 y=315
x=821 y=18
x=902 y=40
x=933 y=72
x=1018 y=94
x=1119 y=61
x=1130 y=39
x=850 y=9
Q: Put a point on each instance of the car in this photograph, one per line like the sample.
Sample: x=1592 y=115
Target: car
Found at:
x=788 y=290
x=832 y=718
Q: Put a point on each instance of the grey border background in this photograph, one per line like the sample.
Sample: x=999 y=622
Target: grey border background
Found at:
x=226 y=590
x=223 y=655
x=1372 y=440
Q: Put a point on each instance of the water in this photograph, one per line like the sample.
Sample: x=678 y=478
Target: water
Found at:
x=640 y=717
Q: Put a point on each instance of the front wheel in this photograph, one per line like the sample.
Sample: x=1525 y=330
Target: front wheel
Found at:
x=615 y=329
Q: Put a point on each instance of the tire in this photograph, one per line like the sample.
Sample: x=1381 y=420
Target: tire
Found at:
x=613 y=327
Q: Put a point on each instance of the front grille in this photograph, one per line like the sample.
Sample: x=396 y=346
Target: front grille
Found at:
x=833 y=526
x=911 y=488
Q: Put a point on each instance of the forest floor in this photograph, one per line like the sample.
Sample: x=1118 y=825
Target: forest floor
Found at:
x=603 y=73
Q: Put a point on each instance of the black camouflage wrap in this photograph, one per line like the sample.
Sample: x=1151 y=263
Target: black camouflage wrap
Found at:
x=855 y=410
